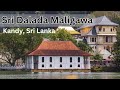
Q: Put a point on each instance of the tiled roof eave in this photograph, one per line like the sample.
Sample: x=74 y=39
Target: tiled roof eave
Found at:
x=60 y=53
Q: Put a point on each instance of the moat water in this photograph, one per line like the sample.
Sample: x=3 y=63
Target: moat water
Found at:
x=63 y=75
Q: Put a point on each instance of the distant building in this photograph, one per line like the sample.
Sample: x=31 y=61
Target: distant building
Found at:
x=100 y=35
x=58 y=55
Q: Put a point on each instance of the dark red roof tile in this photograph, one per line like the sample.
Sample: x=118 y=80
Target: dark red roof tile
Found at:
x=57 y=45
x=60 y=53
x=58 y=48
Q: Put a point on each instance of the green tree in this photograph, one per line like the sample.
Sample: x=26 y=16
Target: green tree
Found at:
x=85 y=47
x=32 y=40
x=112 y=15
x=62 y=35
x=97 y=57
x=14 y=46
x=116 y=51
x=53 y=37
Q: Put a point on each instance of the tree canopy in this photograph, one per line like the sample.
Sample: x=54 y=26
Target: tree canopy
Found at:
x=97 y=56
x=62 y=35
x=84 y=46
x=14 y=46
x=112 y=15
x=116 y=51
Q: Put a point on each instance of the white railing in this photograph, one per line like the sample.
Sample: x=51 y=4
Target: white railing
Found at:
x=13 y=67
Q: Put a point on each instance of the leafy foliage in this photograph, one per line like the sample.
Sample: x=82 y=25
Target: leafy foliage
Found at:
x=116 y=51
x=14 y=46
x=112 y=15
x=62 y=35
x=84 y=46
x=97 y=56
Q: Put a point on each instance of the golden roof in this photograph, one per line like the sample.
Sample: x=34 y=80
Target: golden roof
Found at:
x=73 y=32
x=69 y=29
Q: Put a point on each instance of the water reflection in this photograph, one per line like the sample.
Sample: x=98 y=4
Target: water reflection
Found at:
x=71 y=77
x=63 y=75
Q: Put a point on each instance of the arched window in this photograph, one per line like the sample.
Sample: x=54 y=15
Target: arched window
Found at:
x=50 y=59
x=60 y=59
x=70 y=59
x=60 y=65
x=42 y=65
x=78 y=59
x=111 y=29
x=42 y=59
x=50 y=65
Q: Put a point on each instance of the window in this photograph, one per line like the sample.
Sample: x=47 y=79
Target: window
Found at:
x=93 y=39
x=106 y=39
x=60 y=65
x=42 y=59
x=78 y=59
x=50 y=65
x=100 y=29
x=103 y=29
x=70 y=59
x=70 y=65
x=50 y=59
x=42 y=65
x=111 y=29
x=78 y=65
x=109 y=39
x=60 y=59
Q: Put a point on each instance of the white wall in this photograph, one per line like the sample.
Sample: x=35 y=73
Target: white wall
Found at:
x=107 y=30
x=56 y=62
x=88 y=40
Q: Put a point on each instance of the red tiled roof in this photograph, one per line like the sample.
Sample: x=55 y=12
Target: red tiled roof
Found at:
x=58 y=48
x=60 y=53
x=57 y=45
